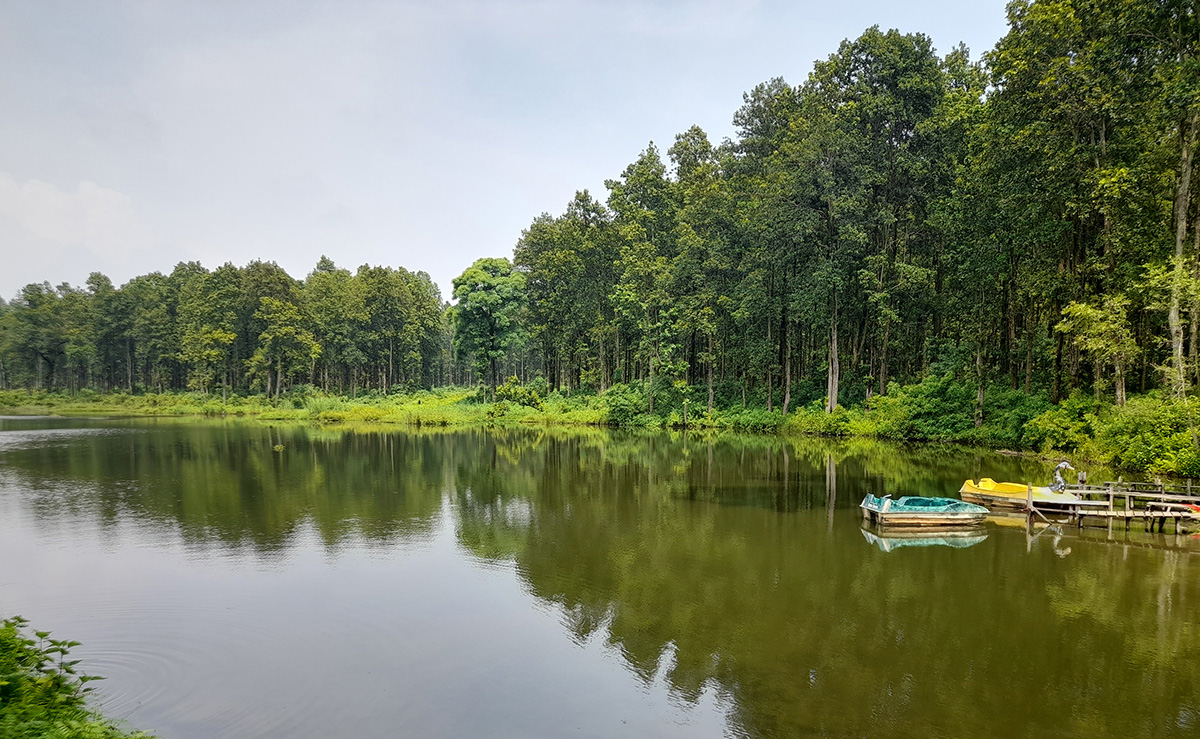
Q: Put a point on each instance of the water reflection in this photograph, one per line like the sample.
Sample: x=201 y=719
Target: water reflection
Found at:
x=724 y=566
x=889 y=541
x=681 y=551
x=232 y=485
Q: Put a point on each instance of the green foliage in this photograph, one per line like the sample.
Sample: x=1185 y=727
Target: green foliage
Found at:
x=539 y=386
x=813 y=419
x=624 y=403
x=1067 y=427
x=491 y=296
x=1104 y=332
x=380 y=328
x=42 y=693
x=753 y=420
x=1153 y=433
x=940 y=408
x=497 y=411
x=318 y=404
x=512 y=390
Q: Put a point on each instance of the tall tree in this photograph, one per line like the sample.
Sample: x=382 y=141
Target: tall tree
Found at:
x=487 y=317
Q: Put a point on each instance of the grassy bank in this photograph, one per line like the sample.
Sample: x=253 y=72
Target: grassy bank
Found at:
x=1152 y=433
x=41 y=692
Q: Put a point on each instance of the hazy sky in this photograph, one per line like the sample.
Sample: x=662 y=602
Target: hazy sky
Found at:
x=134 y=135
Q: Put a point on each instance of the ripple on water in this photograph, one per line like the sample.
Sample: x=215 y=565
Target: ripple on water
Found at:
x=174 y=668
x=148 y=650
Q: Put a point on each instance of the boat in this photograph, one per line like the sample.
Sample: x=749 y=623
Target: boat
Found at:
x=957 y=538
x=1013 y=496
x=912 y=510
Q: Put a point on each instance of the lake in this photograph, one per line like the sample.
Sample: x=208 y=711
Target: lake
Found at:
x=237 y=579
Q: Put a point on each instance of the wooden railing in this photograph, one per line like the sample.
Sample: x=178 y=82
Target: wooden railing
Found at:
x=1153 y=502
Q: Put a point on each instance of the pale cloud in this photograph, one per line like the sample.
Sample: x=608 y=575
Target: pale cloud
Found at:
x=85 y=226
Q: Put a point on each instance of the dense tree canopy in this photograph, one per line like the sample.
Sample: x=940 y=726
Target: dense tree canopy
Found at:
x=1027 y=217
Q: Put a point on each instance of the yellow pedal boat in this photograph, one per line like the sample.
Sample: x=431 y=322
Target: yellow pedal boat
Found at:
x=1011 y=496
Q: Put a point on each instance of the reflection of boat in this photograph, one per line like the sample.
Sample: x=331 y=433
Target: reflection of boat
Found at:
x=1012 y=495
x=956 y=538
x=912 y=510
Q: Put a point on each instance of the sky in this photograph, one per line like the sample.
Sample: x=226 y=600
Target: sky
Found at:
x=136 y=134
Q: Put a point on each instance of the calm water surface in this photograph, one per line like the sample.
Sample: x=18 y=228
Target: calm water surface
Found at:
x=242 y=580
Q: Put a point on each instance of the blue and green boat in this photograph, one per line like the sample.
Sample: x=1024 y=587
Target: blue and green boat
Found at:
x=912 y=510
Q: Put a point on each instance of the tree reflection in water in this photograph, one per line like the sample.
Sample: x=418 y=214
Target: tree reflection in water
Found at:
x=727 y=563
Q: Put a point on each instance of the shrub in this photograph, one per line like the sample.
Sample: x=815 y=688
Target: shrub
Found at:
x=366 y=414
x=539 y=386
x=624 y=403
x=812 y=419
x=513 y=391
x=1066 y=427
x=1150 y=432
x=318 y=404
x=756 y=420
x=496 y=411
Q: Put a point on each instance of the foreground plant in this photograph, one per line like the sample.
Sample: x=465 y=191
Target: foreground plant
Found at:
x=41 y=692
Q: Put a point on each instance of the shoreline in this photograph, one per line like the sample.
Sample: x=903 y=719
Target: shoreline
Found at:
x=452 y=408
x=1148 y=436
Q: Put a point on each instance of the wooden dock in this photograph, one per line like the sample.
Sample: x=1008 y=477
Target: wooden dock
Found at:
x=1153 y=503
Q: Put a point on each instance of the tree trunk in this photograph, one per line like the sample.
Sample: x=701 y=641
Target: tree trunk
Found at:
x=1183 y=186
x=603 y=367
x=1073 y=366
x=1028 y=354
x=831 y=387
x=712 y=359
x=651 y=385
x=1145 y=358
x=979 y=387
x=1194 y=312
x=1056 y=390
x=618 y=361
x=787 y=373
x=1011 y=341
x=883 y=365
x=1119 y=379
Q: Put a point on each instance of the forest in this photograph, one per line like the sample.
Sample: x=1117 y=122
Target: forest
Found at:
x=1016 y=229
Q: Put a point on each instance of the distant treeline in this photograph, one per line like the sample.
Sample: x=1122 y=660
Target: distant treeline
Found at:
x=1027 y=218
x=251 y=328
